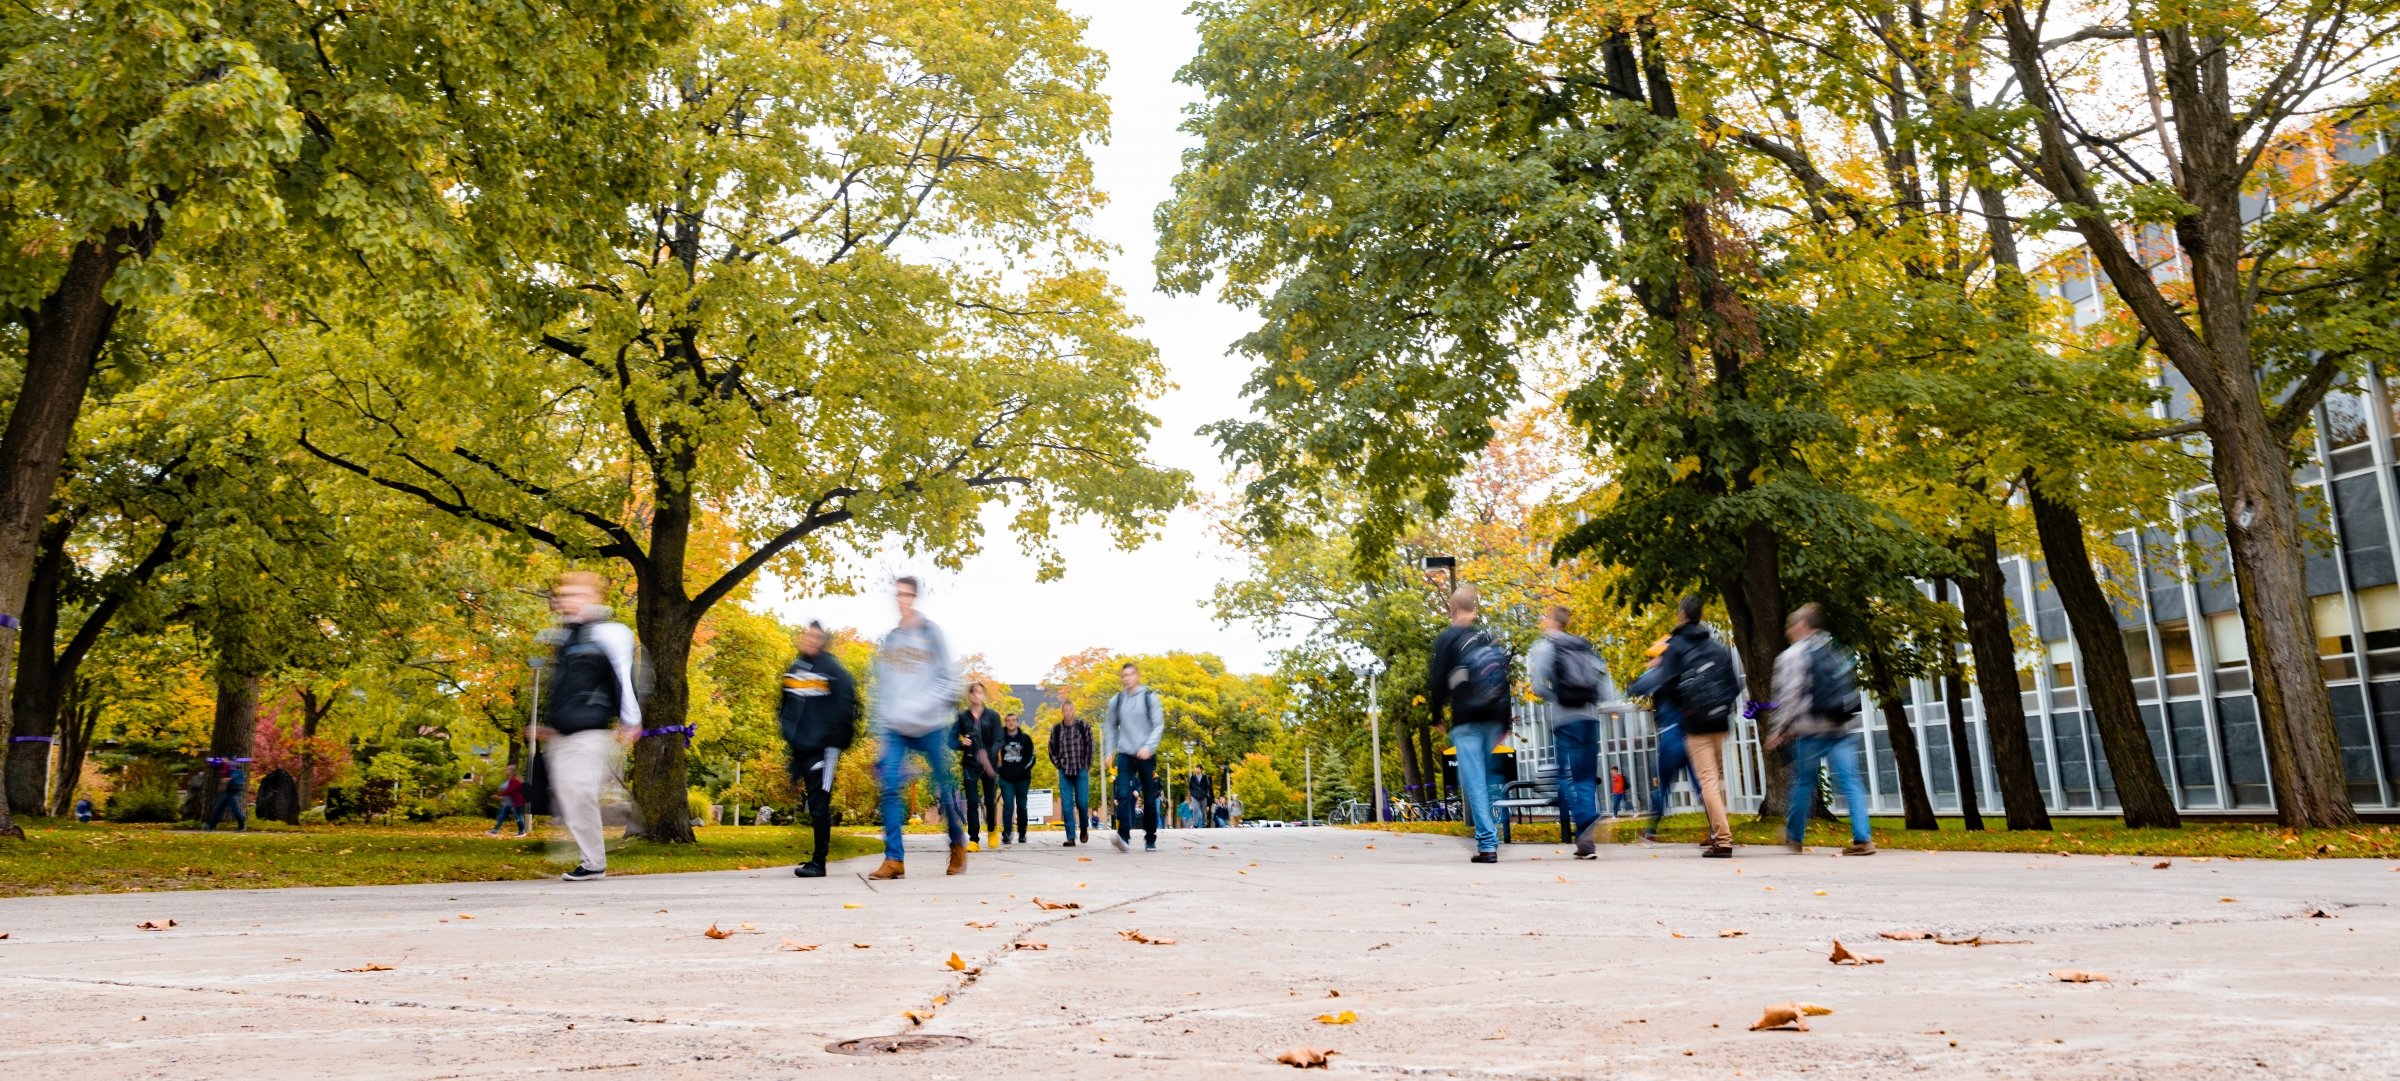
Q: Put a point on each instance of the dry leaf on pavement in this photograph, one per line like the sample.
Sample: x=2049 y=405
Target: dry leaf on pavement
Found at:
x=1346 y=1017
x=955 y=964
x=1136 y=935
x=464 y=916
x=1730 y=933
x=1907 y=936
x=1306 y=1058
x=1979 y=940
x=368 y=967
x=750 y=927
x=1843 y=956
x=153 y=925
x=862 y=945
x=796 y=946
x=845 y=904
x=712 y=932
x=917 y=1017
x=2162 y=865
x=1781 y=1015
x=984 y=925
x=2077 y=975
x=1033 y=945
x=1053 y=906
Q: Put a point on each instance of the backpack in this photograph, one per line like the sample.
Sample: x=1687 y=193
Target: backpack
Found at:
x=1832 y=683
x=1575 y=673
x=1707 y=687
x=1479 y=685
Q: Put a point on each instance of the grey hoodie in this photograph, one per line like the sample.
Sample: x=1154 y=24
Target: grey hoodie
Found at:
x=1538 y=671
x=1134 y=723
x=915 y=680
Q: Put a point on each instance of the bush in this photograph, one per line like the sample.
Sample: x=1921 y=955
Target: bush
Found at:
x=697 y=800
x=146 y=803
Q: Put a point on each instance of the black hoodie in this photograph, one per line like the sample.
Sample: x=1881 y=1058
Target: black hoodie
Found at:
x=819 y=705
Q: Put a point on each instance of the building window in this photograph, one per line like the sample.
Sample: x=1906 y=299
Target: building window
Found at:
x=2062 y=675
x=2139 y=661
x=2333 y=637
x=2232 y=649
x=2346 y=435
x=2183 y=667
x=2379 y=612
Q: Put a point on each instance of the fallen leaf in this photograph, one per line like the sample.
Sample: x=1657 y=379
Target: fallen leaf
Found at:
x=862 y=945
x=1136 y=935
x=1033 y=945
x=2324 y=850
x=1843 y=956
x=1979 y=940
x=153 y=925
x=1812 y=1009
x=845 y=904
x=796 y=946
x=2313 y=913
x=2162 y=865
x=712 y=932
x=1820 y=893
x=1053 y=906
x=368 y=967
x=2077 y=975
x=1562 y=878
x=1331 y=993
x=2225 y=900
x=955 y=964
x=750 y=927
x=1346 y=1017
x=464 y=916
x=3 y=934
x=917 y=1017
x=1783 y=1015
x=1731 y=934
x=1307 y=1058
x=984 y=925
x=1908 y=936
x=1083 y=859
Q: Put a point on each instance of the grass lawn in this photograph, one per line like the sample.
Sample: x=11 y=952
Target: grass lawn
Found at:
x=64 y=857
x=2083 y=836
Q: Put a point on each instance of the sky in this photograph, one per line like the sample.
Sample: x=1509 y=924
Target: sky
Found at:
x=1155 y=598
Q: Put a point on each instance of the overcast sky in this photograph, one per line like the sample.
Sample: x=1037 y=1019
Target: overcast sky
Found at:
x=1155 y=598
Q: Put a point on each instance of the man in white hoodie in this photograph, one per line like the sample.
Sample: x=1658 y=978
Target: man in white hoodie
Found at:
x=916 y=681
x=591 y=693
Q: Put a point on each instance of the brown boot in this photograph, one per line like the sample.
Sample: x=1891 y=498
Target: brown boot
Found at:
x=958 y=859
x=891 y=869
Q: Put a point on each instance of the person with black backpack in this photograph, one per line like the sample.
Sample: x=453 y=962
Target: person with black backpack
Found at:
x=1816 y=714
x=1469 y=676
x=590 y=697
x=1696 y=690
x=818 y=713
x=1566 y=672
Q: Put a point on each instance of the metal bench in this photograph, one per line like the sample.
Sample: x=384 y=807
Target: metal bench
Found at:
x=1527 y=801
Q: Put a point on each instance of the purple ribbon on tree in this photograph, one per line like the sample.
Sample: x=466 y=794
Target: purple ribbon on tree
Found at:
x=221 y=761
x=1751 y=711
x=33 y=739
x=684 y=730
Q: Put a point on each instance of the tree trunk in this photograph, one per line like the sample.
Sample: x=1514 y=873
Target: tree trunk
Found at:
x=234 y=734
x=1985 y=597
x=1410 y=778
x=1962 y=748
x=1754 y=605
x=34 y=701
x=2107 y=677
x=1916 y=804
x=63 y=338
x=75 y=740
x=661 y=810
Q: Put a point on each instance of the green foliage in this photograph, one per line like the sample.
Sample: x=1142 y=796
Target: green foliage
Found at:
x=1263 y=791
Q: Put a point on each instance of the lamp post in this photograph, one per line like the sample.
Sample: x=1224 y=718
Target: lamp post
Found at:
x=1448 y=565
x=1375 y=739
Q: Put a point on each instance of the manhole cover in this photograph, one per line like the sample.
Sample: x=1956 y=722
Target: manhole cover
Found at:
x=917 y=1044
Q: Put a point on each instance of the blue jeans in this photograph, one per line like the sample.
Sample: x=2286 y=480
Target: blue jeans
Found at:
x=1012 y=807
x=1476 y=779
x=1673 y=758
x=508 y=811
x=1075 y=802
x=229 y=802
x=934 y=748
x=1131 y=770
x=1578 y=745
x=1841 y=752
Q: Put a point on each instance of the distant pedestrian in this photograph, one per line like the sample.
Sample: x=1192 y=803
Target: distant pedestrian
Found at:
x=1015 y=767
x=1185 y=815
x=1620 y=796
x=818 y=713
x=1467 y=688
x=1198 y=787
x=1135 y=725
x=1566 y=673
x=1816 y=714
x=1071 y=754
x=915 y=682
x=232 y=780
x=591 y=693
x=976 y=734
x=1695 y=687
x=1223 y=813
x=512 y=804
x=1233 y=810
x=83 y=810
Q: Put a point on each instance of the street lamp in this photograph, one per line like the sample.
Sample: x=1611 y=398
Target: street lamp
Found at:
x=1448 y=565
x=1375 y=738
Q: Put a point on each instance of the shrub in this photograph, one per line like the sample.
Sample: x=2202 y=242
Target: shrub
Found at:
x=697 y=800
x=143 y=803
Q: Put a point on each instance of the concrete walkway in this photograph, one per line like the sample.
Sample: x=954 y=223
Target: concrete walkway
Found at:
x=1541 y=966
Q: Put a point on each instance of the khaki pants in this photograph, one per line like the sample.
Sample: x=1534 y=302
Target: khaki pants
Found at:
x=1708 y=768
x=583 y=769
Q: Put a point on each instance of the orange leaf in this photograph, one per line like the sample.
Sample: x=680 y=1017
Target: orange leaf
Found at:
x=796 y=946
x=153 y=925
x=1346 y=1017
x=1843 y=956
x=712 y=932
x=368 y=967
x=1306 y=1058
x=2077 y=975
x=955 y=964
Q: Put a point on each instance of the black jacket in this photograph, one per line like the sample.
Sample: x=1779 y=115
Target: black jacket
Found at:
x=1658 y=684
x=982 y=732
x=1013 y=755
x=819 y=705
x=1447 y=650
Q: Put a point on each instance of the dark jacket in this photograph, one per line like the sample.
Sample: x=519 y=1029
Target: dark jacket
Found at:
x=1658 y=684
x=970 y=733
x=1015 y=755
x=819 y=705
x=1448 y=648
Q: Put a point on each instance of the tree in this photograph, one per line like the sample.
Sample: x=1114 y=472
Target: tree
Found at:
x=138 y=133
x=848 y=300
x=2171 y=233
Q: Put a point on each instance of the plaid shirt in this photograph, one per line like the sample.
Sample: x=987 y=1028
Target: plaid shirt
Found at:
x=1071 y=748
